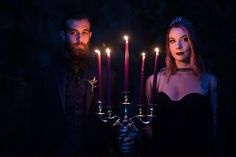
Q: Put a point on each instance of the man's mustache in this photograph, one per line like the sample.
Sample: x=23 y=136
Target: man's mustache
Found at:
x=79 y=44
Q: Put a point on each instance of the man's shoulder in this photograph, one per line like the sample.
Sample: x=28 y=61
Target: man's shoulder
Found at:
x=46 y=70
x=42 y=69
x=51 y=66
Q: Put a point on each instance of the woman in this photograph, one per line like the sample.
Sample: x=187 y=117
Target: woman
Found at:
x=186 y=97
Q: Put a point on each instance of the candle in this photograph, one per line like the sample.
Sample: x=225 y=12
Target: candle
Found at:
x=154 y=76
x=126 y=66
x=99 y=75
x=108 y=78
x=141 y=85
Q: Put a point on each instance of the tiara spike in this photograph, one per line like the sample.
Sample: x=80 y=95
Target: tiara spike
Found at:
x=180 y=20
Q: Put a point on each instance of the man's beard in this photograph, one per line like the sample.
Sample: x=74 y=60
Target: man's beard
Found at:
x=78 y=52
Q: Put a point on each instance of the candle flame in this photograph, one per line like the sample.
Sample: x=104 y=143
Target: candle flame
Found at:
x=108 y=51
x=143 y=54
x=156 y=50
x=126 y=37
x=97 y=51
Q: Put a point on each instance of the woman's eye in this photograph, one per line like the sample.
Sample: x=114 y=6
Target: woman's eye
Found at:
x=171 y=41
x=185 y=39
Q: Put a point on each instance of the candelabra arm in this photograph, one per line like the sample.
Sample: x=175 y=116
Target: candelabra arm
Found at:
x=109 y=118
x=102 y=119
x=117 y=122
x=141 y=120
x=106 y=117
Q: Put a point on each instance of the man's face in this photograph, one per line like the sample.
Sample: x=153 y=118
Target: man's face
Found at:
x=77 y=36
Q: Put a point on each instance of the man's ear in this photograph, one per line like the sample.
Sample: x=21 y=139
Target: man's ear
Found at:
x=91 y=33
x=63 y=35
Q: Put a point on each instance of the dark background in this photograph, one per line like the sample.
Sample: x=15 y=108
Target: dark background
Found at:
x=30 y=37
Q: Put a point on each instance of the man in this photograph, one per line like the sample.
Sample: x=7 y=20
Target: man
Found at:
x=64 y=96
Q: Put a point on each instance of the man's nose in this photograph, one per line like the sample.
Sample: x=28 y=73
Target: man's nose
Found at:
x=78 y=37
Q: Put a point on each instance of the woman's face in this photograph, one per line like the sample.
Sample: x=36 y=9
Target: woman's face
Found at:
x=179 y=45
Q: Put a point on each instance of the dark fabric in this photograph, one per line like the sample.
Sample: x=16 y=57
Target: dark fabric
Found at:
x=181 y=128
x=75 y=109
x=64 y=123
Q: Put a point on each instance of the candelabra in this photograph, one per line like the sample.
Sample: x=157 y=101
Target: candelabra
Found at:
x=125 y=121
x=108 y=116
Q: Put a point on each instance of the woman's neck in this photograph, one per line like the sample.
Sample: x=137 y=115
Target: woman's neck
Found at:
x=187 y=69
x=182 y=64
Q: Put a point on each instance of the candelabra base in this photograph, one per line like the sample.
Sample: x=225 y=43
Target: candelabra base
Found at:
x=142 y=118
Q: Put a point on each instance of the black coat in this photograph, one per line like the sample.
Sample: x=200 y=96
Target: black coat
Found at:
x=48 y=116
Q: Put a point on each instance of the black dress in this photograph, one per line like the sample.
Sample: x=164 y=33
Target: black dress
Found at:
x=182 y=128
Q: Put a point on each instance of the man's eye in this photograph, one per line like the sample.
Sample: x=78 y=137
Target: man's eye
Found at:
x=73 y=33
x=85 y=33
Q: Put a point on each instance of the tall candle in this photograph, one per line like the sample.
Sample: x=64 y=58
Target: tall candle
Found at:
x=126 y=66
x=99 y=75
x=154 y=76
x=108 y=78
x=141 y=85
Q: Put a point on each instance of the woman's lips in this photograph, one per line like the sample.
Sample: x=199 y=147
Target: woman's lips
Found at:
x=179 y=53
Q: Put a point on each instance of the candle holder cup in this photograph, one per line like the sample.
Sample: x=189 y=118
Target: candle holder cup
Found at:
x=108 y=115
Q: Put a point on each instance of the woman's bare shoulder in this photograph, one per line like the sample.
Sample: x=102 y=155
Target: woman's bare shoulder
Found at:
x=212 y=80
x=160 y=74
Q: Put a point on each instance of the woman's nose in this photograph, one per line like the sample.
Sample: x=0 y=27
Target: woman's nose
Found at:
x=179 y=45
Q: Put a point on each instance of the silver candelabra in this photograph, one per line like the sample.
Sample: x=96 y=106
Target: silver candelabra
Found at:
x=108 y=115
